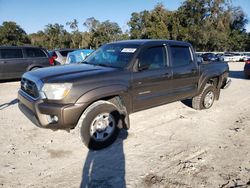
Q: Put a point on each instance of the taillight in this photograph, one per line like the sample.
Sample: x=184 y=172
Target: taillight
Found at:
x=51 y=61
x=247 y=61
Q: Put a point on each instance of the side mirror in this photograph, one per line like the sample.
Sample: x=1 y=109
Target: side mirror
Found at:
x=199 y=60
x=142 y=66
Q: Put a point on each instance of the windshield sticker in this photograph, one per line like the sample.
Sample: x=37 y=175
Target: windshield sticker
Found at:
x=128 y=50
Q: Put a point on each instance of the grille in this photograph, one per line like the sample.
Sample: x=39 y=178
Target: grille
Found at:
x=29 y=87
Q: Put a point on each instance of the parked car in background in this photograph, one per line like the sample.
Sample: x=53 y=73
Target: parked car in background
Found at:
x=233 y=57
x=14 y=60
x=247 y=68
x=228 y=57
x=210 y=57
x=60 y=56
x=77 y=56
x=219 y=56
x=246 y=56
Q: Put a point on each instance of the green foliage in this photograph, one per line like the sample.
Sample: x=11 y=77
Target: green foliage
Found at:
x=210 y=25
x=39 y=39
x=150 y=24
x=54 y=36
x=12 y=34
x=102 y=32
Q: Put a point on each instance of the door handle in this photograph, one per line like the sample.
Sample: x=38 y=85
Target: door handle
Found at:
x=165 y=75
x=194 y=70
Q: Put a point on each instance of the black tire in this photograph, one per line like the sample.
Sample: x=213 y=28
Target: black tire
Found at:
x=198 y=102
x=247 y=76
x=88 y=119
x=217 y=94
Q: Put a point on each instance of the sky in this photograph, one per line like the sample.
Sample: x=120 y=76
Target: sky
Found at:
x=33 y=15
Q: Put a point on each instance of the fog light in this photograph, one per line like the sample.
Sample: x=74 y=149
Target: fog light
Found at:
x=52 y=118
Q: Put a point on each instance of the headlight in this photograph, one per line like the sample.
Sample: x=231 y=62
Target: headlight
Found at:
x=56 y=91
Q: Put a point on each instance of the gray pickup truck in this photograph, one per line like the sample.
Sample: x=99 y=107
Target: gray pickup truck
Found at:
x=97 y=96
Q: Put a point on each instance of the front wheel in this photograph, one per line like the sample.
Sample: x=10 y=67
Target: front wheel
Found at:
x=98 y=125
x=206 y=99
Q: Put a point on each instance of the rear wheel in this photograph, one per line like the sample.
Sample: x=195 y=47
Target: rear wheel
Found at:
x=206 y=99
x=98 y=125
x=247 y=76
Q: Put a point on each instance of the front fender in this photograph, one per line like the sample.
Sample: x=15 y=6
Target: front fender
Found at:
x=107 y=91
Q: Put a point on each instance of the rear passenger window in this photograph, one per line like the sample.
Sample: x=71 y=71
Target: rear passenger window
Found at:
x=180 y=55
x=35 y=52
x=152 y=58
x=11 y=53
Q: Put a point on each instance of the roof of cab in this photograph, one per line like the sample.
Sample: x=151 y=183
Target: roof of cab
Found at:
x=152 y=41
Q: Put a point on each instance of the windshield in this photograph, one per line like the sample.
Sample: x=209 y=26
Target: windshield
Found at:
x=112 y=55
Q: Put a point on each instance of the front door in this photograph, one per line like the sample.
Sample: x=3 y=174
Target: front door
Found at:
x=150 y=84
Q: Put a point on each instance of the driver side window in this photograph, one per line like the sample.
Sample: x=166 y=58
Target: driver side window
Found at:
x=152 y=58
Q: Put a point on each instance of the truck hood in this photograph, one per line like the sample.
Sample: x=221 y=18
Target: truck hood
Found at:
x=67 y=73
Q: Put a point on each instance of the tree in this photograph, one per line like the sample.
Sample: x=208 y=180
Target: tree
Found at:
x=208 y=24
x=12 y=34
x=57 y=35
x=76 y=36
x=86 y=40
x=91 y=24
x=137 y=24
x=73 y=25
x=247 y=42
x=102 y=32
x=150 y=24
x=39 y=39
x=237 y=36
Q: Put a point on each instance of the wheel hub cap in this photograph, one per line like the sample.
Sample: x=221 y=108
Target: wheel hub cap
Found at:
x=209 y=98
x=102 y=127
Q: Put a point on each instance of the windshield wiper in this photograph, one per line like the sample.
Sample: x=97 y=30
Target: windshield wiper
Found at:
x=102 y=65
x=85 y=62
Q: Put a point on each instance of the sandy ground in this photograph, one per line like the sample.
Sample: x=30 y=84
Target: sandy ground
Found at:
x=168 y=146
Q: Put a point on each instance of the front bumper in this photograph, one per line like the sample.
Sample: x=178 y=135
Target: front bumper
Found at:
x=40 y=113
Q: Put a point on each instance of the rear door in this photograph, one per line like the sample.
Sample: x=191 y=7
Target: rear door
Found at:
x=185 y=71
x=12 y=63
x=36 y=57
x=151 y=83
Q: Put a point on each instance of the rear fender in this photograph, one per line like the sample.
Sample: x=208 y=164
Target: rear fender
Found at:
x=206 y=80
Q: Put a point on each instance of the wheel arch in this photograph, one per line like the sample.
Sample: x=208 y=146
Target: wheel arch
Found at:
x=215 y=80
x=29 y=68
x=116 y=94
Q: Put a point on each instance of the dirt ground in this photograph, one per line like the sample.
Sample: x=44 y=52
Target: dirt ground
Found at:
x=168 y=146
